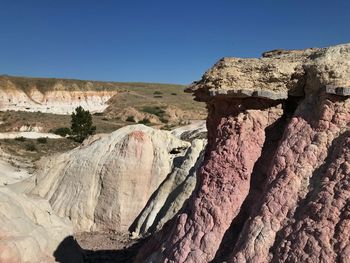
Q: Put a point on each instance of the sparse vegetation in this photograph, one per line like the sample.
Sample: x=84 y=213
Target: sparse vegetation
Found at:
x=20 y=139
x=145 y=121
x=62 y=131
x=21 y=149
x=155 y=110
x=82 y=125
x=30 y=146
x=131 y=119
x=129 y=95
x=42 y=140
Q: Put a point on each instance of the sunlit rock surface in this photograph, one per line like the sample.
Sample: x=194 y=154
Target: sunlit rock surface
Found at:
x=274 y=183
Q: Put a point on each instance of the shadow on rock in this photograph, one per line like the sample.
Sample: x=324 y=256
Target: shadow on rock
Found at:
x=69 y=251
x=125 y=255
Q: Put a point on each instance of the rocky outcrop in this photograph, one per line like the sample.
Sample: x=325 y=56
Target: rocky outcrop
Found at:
x=105 y=183
x=51 y=95
x=194 y=130
x=30 y=231
x=273 y=186
x=170 y=196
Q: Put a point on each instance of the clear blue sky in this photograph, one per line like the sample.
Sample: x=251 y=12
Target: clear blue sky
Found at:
x=157 y=40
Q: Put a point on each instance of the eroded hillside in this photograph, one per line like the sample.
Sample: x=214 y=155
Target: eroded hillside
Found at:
x=31 y=104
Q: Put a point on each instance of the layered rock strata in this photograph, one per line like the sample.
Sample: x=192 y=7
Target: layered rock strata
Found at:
x=57 y=97
x=263 y=199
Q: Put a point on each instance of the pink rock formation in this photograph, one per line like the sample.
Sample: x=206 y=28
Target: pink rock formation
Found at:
x=273 y=187
x=295 y=170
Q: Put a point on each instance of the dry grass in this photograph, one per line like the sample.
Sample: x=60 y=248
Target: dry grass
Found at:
x=33 y=149
x=168 y=103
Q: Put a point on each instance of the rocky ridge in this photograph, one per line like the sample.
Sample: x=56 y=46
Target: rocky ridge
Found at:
x=273 y=186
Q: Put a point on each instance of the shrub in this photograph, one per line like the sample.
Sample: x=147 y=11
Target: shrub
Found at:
x=81 y=124
x=42 y=140
x=131 y=119
x=173 y=93
x=157 y=92
x=164 y=120
x=145 y=121
x=62 y=131
x=31 y=147
x=20 y=139
x=155 y=110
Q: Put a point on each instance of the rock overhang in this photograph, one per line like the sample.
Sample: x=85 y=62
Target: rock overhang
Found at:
x=278 y=75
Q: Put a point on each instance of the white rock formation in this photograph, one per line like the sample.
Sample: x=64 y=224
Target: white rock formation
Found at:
x=172 y=193
x=194 y=130
x=29 y=128
x=13 y=169
x=105 y=183
x=29 y=135
x=57 y=100
x=29 y=229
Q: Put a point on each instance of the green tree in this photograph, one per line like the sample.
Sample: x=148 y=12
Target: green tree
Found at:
x=81 y=124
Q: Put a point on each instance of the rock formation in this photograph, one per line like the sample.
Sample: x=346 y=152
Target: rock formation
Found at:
x=51 y=95
x=29 y=229
x=194 y=130
x=274 y=183
x=170 y=196
x=105 y=183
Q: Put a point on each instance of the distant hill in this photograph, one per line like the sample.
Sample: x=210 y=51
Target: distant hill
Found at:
x=31 y=102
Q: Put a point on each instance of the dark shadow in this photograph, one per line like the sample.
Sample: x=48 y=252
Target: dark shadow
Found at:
x=69 y=251
x=125 y=255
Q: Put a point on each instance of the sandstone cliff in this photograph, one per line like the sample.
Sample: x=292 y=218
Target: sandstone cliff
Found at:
x=274 y=184
x=52 y=95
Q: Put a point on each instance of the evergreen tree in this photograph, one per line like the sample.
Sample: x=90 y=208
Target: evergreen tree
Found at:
x=81 y=124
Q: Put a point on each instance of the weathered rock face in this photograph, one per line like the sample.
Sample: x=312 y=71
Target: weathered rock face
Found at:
x=194 y=130
x=274 y=184
x=170 y=196
x=105 y=183
x=29 y=229
x=56 y=96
